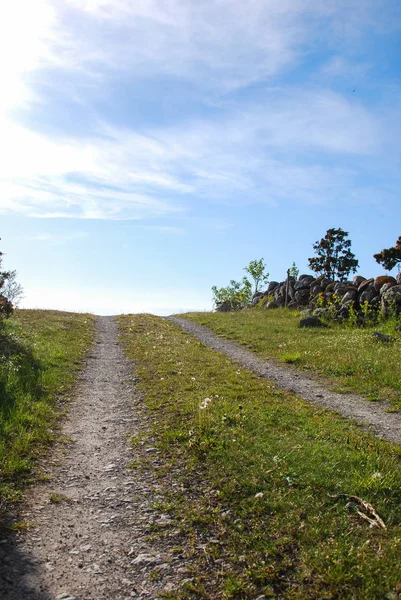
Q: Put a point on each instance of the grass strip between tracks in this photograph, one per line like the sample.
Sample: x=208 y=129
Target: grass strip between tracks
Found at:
x=269 y=487
x=41 y=353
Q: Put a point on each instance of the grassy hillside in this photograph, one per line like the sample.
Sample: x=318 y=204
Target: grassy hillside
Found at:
x=267 y=489
x=348 y=356
x=40 y=353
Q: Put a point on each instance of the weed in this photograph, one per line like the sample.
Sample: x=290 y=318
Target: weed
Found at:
x=291 y=359
x=57 y=498
x=22 y=526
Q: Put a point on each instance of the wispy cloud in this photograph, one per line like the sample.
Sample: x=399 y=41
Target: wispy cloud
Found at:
x=304 y=143
x=262 y=153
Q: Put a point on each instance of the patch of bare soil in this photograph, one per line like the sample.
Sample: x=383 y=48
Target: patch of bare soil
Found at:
x=373 y=416
x=93 y=521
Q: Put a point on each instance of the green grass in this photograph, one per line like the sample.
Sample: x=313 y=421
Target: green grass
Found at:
x=347 y=356
x=40 y=354
x=258 y=475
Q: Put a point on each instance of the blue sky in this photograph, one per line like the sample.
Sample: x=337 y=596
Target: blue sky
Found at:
x=150 y=149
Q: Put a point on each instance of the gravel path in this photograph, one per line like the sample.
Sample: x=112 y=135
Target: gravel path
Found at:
x=374 y=416
x=97 y=544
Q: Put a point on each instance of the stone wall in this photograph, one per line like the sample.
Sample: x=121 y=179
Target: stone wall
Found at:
x=320 y=294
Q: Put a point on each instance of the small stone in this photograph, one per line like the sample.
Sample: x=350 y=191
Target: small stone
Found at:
x=145 y=559
x=311 y=322
x=382 y=337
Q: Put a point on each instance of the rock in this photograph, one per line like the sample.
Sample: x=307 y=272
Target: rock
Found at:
x=391 y=300
x=382 y=337
x=369 y=292
x=309 y=278
x=147 y=559
x=331 y=287
x=398 y=278
x=316 y=289
x=380 y=281
x=358 y=279
x=306 y=312
x=272 y=286
x=301 y=285
x=365 y=284
x=302 y=296
x=271 y=304
x=386 y=287
x=311 y=322
x=292 y=304
x=224 y=307
x=351 y=295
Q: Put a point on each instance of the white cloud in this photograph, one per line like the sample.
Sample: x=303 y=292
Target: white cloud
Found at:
x=266 y=153
x=253 y=153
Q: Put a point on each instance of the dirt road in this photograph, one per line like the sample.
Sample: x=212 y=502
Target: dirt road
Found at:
x=91 y=522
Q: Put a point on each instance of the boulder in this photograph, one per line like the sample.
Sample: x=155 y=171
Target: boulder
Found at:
x=365 y=284
x=391 y=300
x=368 y=293
x=271 y=287
x=386 y=287
x=358 y=279
x=380 y=281
x=350 y=296
x=316 y=288
x=308 y=278
x=311 y=322
x=301 y=284
x=398 y=278
x=224 y=307
x=271 y=304
x=302 y=296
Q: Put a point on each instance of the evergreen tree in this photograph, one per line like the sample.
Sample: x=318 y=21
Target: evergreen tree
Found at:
x=390 y=257
x=334 y=258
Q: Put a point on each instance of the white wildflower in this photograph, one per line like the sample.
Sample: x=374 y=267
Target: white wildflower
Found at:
x=204 y=404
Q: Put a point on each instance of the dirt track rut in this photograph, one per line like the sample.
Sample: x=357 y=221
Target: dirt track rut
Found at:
x=95 y=545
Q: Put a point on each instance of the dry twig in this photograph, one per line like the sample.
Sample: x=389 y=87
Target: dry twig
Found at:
x=366 y=506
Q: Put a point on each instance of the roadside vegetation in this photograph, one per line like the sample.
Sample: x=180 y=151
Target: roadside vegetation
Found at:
x=348 y=356
x=274 y=496
x=40 y=355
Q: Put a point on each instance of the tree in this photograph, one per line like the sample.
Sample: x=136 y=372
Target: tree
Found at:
x=293 y=271
x=256 y=270
x=10 y=291
x=390 y=257
x=334 y=258
x=237 y=295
